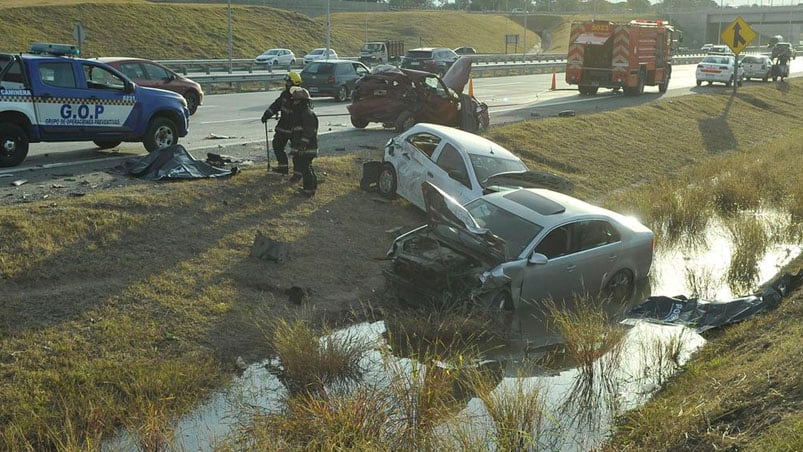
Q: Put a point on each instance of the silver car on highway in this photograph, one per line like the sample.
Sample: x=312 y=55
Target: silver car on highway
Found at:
x=512 y=247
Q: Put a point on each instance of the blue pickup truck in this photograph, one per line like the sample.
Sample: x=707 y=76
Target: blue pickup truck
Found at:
x=49 y=95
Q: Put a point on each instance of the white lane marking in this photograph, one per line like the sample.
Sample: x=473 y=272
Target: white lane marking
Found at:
x=20 y=169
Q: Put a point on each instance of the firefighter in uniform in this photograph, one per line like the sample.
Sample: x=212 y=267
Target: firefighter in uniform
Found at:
x=304 y=141
x=283 y=106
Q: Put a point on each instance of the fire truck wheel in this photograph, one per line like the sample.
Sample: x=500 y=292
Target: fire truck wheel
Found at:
x=699 y=82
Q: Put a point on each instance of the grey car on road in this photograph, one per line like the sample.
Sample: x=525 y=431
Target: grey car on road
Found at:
x=516 y=247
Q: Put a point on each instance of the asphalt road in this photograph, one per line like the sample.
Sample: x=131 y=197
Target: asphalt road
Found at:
x=229 y=123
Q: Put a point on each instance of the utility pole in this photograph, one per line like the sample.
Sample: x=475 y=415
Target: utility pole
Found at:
x=328 y=30
x=230 y=46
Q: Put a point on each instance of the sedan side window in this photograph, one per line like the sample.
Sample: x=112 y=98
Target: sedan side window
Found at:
x=133 y=70
x=555 y=244
x=592 y=234
x=156 y=72
x=450 y=161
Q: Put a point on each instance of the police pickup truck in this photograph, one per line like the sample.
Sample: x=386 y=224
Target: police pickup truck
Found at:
x=48 y=95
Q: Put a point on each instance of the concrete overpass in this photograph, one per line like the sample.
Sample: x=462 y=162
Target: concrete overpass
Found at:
x=702 y=27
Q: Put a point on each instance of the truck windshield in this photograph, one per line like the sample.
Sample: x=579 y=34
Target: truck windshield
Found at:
x=373 y=47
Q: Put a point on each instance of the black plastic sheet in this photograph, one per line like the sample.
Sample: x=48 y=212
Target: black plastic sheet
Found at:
x=173 y=163
x=702 y=315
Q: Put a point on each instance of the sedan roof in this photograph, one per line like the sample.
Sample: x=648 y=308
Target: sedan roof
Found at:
x=547 y=208
x=466 y=141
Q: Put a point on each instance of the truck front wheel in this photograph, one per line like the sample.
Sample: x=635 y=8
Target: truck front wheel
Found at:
x=13 y=144
x=161 y=133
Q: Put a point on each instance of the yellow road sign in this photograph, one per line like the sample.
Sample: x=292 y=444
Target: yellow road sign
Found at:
x=737 y=35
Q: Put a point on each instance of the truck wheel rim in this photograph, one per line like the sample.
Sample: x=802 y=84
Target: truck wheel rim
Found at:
x=9 y=146
x=164 y=137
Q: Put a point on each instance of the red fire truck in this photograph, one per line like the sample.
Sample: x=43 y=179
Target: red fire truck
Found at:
x=620 y=56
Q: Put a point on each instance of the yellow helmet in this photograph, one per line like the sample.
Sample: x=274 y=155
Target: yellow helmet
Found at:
x=293 y=78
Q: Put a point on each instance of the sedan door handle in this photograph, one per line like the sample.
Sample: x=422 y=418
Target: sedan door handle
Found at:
x=612 y=257
x=406 y=155
x=571 y=268
x=429 y=174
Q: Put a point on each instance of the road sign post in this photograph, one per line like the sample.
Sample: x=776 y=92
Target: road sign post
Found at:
x=737 y=35
x=79 y=34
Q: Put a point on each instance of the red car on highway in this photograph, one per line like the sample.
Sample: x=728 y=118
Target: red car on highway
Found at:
x=154 y=75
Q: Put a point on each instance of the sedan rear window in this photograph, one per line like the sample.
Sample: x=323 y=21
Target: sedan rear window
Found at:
x=751 y=59
x=319 y=68
x=419 y=54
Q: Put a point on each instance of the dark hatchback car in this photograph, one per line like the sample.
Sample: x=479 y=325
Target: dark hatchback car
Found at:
x=153 y=75
x=436 y=60
x=332 y=78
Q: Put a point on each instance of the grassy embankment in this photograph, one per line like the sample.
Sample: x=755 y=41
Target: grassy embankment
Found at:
x=128 y=28
x=126 y=308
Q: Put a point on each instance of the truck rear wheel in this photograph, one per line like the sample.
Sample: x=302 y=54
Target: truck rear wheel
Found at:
x=13 y=144
x=161 y=133
x=107 y=144
x=664 y=85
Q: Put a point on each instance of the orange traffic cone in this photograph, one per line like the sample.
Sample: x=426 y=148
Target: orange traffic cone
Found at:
x=471 y=87
x=554 y=81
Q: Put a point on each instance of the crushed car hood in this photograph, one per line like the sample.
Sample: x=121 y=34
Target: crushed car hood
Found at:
x=528 y=179
x=461 y=230
x=457 y=76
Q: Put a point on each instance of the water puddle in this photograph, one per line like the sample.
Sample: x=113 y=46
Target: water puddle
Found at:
x=578 y=405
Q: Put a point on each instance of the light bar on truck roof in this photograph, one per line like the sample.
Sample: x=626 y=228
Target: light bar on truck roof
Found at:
x=54 y=49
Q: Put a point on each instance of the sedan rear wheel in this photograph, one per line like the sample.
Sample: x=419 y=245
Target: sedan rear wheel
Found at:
x=620 y=286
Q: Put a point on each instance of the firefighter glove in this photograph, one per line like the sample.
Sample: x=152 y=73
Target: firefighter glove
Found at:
x=266 y=115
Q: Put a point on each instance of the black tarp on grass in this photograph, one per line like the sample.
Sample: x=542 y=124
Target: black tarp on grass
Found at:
x=175 y=163
x=702 y=315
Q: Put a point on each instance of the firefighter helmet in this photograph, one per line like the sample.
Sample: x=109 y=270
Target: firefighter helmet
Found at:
x=293 y=78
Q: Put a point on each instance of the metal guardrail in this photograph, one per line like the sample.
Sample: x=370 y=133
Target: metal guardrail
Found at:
x=491 y=66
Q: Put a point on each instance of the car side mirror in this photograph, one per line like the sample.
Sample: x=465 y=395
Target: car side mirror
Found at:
x=128 y=87
x=538 y=259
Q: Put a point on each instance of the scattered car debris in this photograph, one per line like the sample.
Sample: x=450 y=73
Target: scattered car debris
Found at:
x=266 y=248
x=19 y=182
x=7 y=175
x=215 y=136
x=221 y=159
x=703 y=315
x=175 y=162
x=566 y=113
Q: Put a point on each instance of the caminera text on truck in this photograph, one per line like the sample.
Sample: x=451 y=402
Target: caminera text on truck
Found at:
x=48 y=95
x=604 y=54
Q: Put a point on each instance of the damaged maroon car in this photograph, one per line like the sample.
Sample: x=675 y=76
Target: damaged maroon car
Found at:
x=400 y=98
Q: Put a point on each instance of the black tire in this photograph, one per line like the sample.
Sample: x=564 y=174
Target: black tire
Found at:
x=664 y=85
x=729 y=82
x=161 y=133
x=765 y=78
x=637 y=90
x=387 y=181
x=501 y=302
x=699 y=82
x=747 y=78
x=192 y=101
x=774 y=78
x=342 y=94
x=620 y=286
x=13 y=144
x=404 y=121
x=359 y=123
x=107 y=144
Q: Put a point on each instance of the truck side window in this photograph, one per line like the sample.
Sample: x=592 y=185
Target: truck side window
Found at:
x=13 y=77
x=100 y=78
x=57 y=74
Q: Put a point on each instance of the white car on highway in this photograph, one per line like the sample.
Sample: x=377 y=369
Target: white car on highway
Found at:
x=273 y=57
x=319 y=54
x=719 y=69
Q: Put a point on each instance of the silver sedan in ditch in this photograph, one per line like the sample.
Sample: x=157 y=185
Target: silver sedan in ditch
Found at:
x=513 y=247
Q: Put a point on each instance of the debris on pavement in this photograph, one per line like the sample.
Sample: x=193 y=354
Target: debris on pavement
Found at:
x=19 y=182
x=266 y=248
